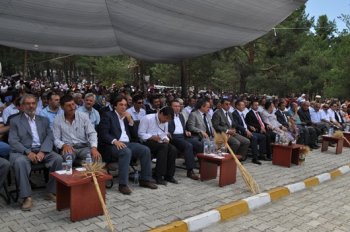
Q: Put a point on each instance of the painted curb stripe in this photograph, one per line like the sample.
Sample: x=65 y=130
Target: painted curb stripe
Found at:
x=344 y=169
x=335 y=173
x=242 y=207
x=178 y=226
x=202 y=220
x=234 y=209
x=296 y=187
x=310 y=182
x=257 y=201
x=323 y=177
x=278 y=193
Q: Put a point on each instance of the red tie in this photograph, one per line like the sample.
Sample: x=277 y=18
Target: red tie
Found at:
x=259 y=119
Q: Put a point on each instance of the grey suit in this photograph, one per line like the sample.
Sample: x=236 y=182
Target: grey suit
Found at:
x=237 y=142
x=4 y=169
x=20 y=140
x=195 y=122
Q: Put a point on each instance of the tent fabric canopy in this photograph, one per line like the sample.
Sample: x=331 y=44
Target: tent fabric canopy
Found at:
x=155 y=30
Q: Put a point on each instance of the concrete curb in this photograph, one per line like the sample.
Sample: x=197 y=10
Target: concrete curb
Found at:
x=244 y=206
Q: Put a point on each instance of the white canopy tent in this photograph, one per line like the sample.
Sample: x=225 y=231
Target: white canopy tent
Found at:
x=155 y=30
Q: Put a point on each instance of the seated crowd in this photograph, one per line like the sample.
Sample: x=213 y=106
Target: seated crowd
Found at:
x=44 y=129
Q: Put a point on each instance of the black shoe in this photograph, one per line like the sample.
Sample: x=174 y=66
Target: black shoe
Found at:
x=262 y=157
x=171 y=180
x=161 y=182
x=256 y=161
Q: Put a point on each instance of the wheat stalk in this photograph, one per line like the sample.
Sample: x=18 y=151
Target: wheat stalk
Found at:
x=339 y=134
x=248 y=179
x=94 y=170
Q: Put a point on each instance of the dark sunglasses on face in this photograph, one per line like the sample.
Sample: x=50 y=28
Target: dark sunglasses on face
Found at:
x=139 y=103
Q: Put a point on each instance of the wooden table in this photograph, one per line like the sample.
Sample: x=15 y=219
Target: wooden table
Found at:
x=325 y=142
x=347 y=136
x=79 y=195
x=285 y=155
x=209 y=167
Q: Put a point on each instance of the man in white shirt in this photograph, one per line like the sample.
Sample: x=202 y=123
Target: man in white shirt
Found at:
x=136 y=111
x=88 y=109
x=11 y=109
x=74 y=133
x=191 y=104
x=153 y=131
x=114 y=143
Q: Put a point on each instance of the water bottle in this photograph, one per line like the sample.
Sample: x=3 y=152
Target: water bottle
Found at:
x=136 y=177
x=206 y=147
x=277 y=139
x=212 y=147
x=347 y=128
x=331 y=131
x=88 y=158
x=69 y=160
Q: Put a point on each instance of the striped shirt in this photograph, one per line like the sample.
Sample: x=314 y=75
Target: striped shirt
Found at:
x=79 y=132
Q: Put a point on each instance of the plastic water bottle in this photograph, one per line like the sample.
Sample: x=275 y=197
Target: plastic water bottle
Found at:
x=206 y=147
x=331 y=131
x=69 y=160
x=347 y=128
x=136 y=177
x=88 y=158
x=212 y=147
x=277 y=139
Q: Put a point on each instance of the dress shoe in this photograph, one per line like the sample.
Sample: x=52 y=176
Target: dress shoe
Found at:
x=262 y=157
x=171 y=180
x=192 y=175
x=124 y=189
x=27 y=204
x=148 y=184
x=161 y=182
x=50 y=197
x=256 y=161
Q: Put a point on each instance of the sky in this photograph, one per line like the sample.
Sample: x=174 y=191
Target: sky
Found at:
x=331 y=8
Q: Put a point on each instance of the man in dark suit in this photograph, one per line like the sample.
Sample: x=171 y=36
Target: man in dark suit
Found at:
x=114 y=143
x=223 y=121
x=255 y=138
x=31 y=141
x=305 y=118
x=180 y=139
x=256 y=125
x=281 y=115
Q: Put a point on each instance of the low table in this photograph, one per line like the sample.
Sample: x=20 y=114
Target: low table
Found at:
x=79 y=195
x=325 y=142
x=209 y=168
x=285 y=155
x=347 y=136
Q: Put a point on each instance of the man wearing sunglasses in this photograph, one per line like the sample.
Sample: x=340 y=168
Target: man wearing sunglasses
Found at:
x=137 y=112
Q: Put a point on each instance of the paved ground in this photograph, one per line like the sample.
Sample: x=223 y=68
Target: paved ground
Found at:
x=146 y=209
x=323 y=208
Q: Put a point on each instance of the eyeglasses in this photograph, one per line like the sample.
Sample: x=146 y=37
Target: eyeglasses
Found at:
x=139 y=102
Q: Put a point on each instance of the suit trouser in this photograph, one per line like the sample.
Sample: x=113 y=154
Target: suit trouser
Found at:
x=4 y=169
x=22 y=167
x=186 y=148
x=239 y=145
x=123 y=157
x=4 y=150
x=166 y=156
x=255 y=140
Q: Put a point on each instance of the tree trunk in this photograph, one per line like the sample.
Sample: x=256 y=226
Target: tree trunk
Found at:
x=242 y=83
x=184 y=78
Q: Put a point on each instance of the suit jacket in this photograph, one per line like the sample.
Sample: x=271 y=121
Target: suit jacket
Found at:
x=109 y=128
x=252 y=120
x=305 y=116
x=240 y=126
x=195 y=122
x=281 y=119
x=171 y=125
x=221 y=123
x=21 y=138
